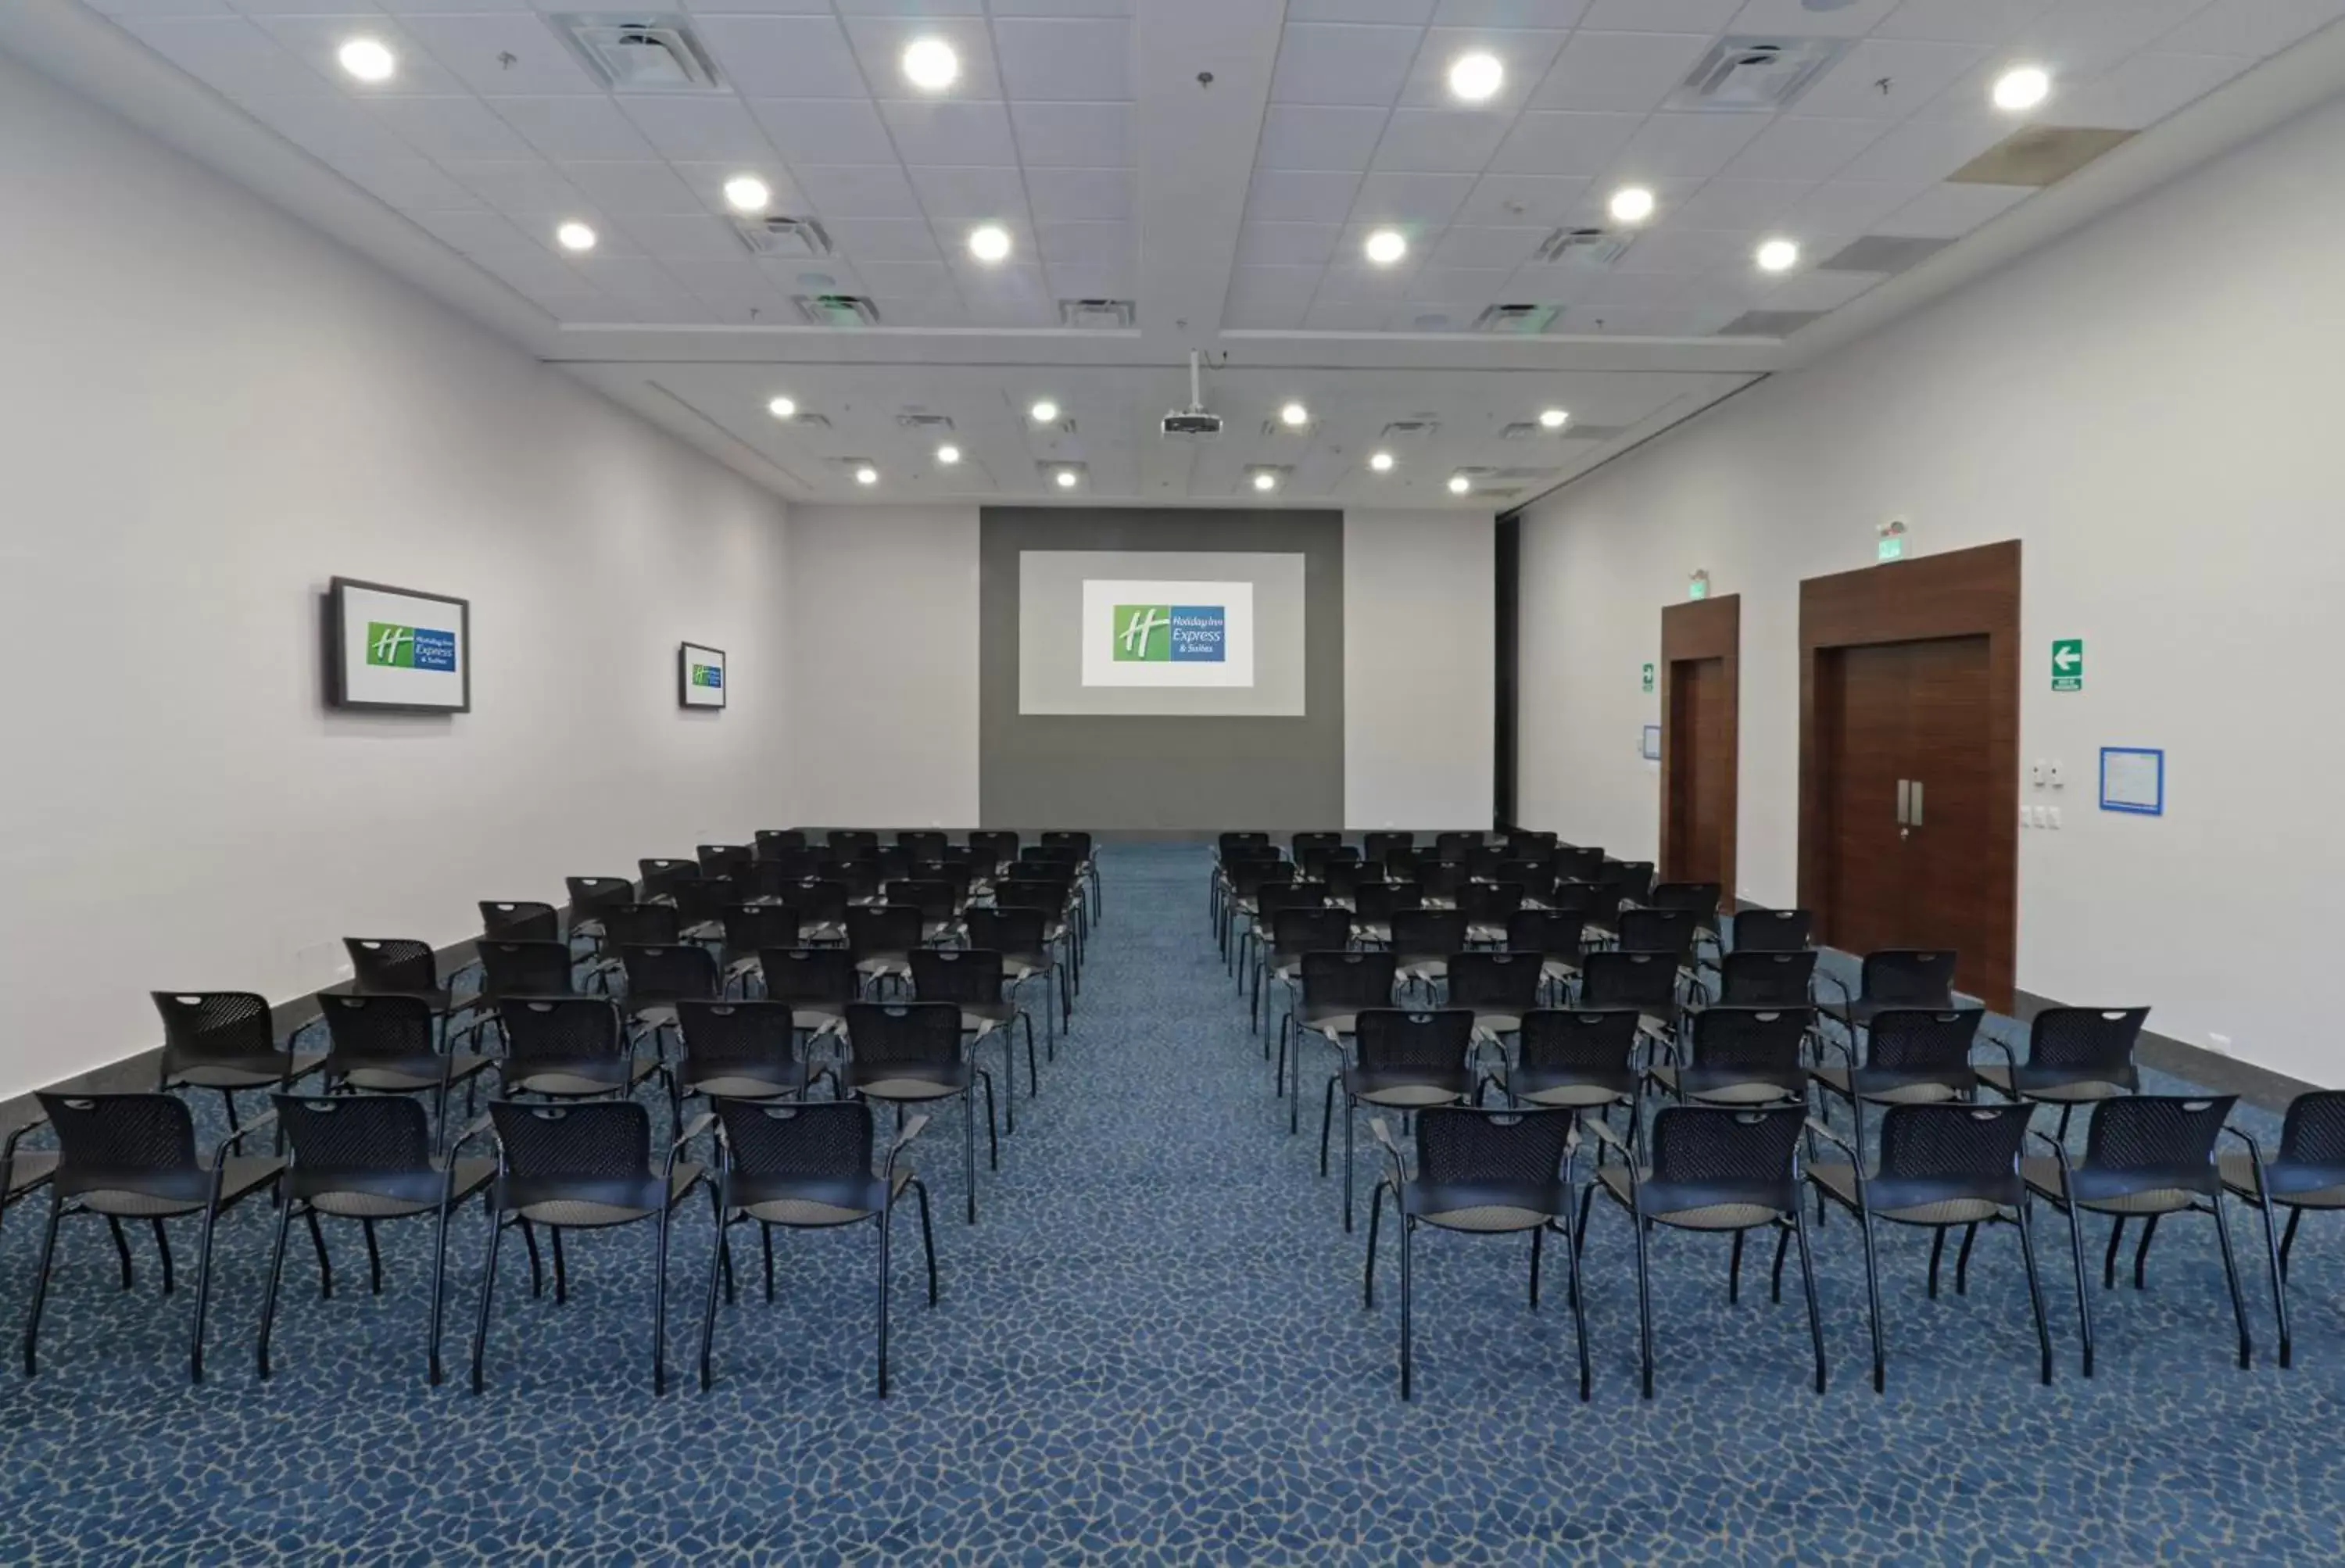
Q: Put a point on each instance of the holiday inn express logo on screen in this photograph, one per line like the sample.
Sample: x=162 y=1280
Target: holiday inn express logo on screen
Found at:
x=1171 y=633
x=410 y=648
x=708 y=675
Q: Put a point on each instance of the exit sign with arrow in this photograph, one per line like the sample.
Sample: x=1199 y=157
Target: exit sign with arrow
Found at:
x=2068 y=664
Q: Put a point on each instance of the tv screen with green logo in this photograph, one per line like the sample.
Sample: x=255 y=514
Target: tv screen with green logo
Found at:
x=700 y=675
x=396 y=650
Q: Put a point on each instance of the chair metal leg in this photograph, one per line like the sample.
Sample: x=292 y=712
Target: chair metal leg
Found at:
x=1644 y=1298
x=325 y=1265
x=1033 y=1075
x=2231 y=1277
x=1538 y=1235
x=708 y=1301
x=374 y=1258
x=1407 y=1231
x=2141 y=1253
x=2084 y=1295
x=268 y=1293
x=2109 y=1262
x=1938 y=1251
x=1376 y=1223
x=1963 y=1261
x=488 y=1294
x=41 y=1281
x=765 y=1238
x=1873 y=1302
x=1351 y=1116
x=529 y=1239
x=439 y=1290
x=888 y=1210
x=992 y=1138
x=561 y=1268
x=1734 y=1270
x=121 y=1247
x=203 y=1292
x=1327 y=1124
x=2034 y=1286
x=2287 y=1243
x=2280 y=1284
x=659 y=1303
x=968 y=1145
x=1579 y=1312
x=927 y=1235
x=1808 y=1283
x=1775 y=1276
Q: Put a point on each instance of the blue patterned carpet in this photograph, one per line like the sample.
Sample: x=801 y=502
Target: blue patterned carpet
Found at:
x=1153 y=1347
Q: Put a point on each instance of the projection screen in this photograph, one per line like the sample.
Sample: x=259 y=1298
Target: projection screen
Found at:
x=1176 y=634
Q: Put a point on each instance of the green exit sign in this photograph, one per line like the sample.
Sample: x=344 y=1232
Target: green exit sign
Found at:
x=1892 y=547
x=1648 y=678
x=2068 y=664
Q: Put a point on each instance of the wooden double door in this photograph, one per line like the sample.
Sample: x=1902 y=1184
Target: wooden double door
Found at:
x=1702 y=657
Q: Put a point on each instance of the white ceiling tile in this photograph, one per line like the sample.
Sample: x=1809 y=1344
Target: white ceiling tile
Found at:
x=904 y=279
x=1064 y=58
x=673 y=237
x=1404 y=12
x=2146 y=89
x=1466 y=246
x=1096 y=244
x=2085 y=38
x=1345 y=316
x=1287 y=244
x=503 y=52
x=1360 y=280
x=1951 y=211
x=1961 y=20
x=228 y=54
x=534 y=272
x=1924 y=152
x=1592 y=208
x=1741 y=204
x=875 y=239
x=1705 y=16
x=1059 y=195
x=881 y=42
x=1089 y=280
x=1319 y=136
x=945 y=131
x=858 y=190
x=2253 y=28
x=450 y=127
x=1629 y=288
x=1263 y=297
x=1688 y=145
x=527 y=188
x=1439 y=141
x=1625 y=71
x=1818 y=290
x=126 y=8
x=1689 y=251
x=783 y=56
x=1796 y=18
x=1551 y=142
x=823 y=130
x=1330 y=63
x=633 y=279
x=706 y=182
x=409 y=184
x=334 y=129
x=1301 y=196
x=1453 y=283
x=442 y=6
x=479 y=233
x=573 y=126
x=1850 y=206
x=1916 y=72
x=941 y=308
x=314 y=40
x=1555 y=13
x=870 y=7
x=1516 y=199
x=1073 y=135
x=1025 y=8
x=1420 y=203
x=632 y=190
x=1008 y=297
x=1803 y=147
x=960 y=197
x=1526 y=53
x=699 y=129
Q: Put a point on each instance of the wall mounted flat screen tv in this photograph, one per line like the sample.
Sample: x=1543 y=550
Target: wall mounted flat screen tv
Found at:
x=396 y=650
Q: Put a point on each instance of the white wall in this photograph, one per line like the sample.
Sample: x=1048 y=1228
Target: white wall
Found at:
x=2151 y=406
x=205 y=410
x=1417 y=670
x=883 y=638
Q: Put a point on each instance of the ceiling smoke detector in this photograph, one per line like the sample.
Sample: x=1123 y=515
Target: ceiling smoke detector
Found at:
x=639 y=52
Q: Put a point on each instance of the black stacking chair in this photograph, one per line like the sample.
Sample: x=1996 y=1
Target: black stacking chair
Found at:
x=1422 y=941
x=739 y=1049
x=1698 y=899
x=1771 y=930
x=660 y=977
x=854 y=842
x=2075 y=1055
x=133 y=1156
x=938 y=903
x=771 y=841
x=1294 y=932
x=880 y=939
x=1579 y=1058
x=990 y=849
x=2308 y=1173
x=659 y=876
x=1441 y=882
x=1647 y=982
x=726 y=859
x=1303 y=841
x=1640 y=929
x=1759 y=978
x=891 y=863
x=1740 y=1056
x=821 y=906
x=1240 y=888
x=700 y=905
x=2145 y=1156
x=1941 y=1165
x=532 y=968
x=1913 y=1056
x=1486 y=907
x=1086 y=861
x=1536 y=878
x=367 y=1157
x=1521 y=839
x=1623 y=882
x=1891 y=977
x=1714 y=1167
x=971 y=979
x=1343 y=879
x=224 y=1041
x=1479 y=1173
x=1555 y=936
x=585 y=1166
x=818 y=982
x=921 y=844
x=1050 y=899
x=515 y=920
x=24 y=1172
x=861 y=880
x=1333 y=987
x=1457 y=846
x=1379 y=847
x=590 y=896
x=1577 y=863
x=626 y=925
x=1259 y=922
x=1402 y=1060
x=389 y=1045
x=1021 y=937
x=571 y=1048
x=1497 y=987
x=910 y=1054
x=1373 y=904
x=808 y=1167
x=397 y=966
x=753 y=929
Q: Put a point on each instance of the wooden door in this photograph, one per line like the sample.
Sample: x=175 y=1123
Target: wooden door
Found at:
x=1953 y=818
x=1701 y=779
x=1862 y=735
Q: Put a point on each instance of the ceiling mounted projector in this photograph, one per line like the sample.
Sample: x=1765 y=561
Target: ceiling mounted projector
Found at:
x=1193 y=420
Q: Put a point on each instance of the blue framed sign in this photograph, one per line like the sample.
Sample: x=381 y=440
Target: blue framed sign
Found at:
x=2133 y=779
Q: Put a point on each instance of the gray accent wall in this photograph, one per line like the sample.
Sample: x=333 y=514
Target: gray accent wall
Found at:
x=1109 y=772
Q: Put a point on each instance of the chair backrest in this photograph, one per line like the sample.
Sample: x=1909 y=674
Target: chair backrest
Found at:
x=1578 y=865
x=820 y=902
x=2085 y=1038
x=855 y=843
x=1642 y=979
x=1495 y=979
x=543 y=1031
x=1012 y=931
x=1656 y=930
x=1923 y=1041
x=771 y=841
x=1379 y=846
x=893 y=862
x=921 y=844
x=1320 y=858
x=734 y=1030
x=1344 y=877
x=957 y=974
x=1585 y=900
x=1378 y=901
x=1750 y=1149
x=659 y=876
x=639 y=925
x=859 y=877
x=824 y=975
x=1627 y=882
x=886 y=1034
x=1700 y=898
x=1456 y=846
x=1434 y=1043
x=526 y=968
x=1483 y=860
x=519 y=919
x=1521 y=1150
x=589 y=896
x=1527 y=843
x=1772 y=930
x=1578 y=1039
x=669 y=974
x=726 y=859
x=1909 y=976
x=1763 y=1041
x=1442 y=879
x=1353 y=980
x=752 y=928
x=353 y=1135
x=1763 y=977
x=875 y=930
x=1227 y=845
x=773 y=874
x=1301 y=841
x=815 y=1138
x=1489 y=903
x=935 y=900
x=1310 y=930
x=391 y=964
x=1428 y=934
x=588 y=1141
x=2160 y=1135
x=1249 y=876
x=377 y=1025
x=992 y=848
x=1551 y=933
x=1536 y=878
x=1028 y=892
x=1275 y=897
x=216 y=1026
x=101 y=1134
x=2313 y=1132
x=1954 y=1142
x=700 y=899
x=1074 y=839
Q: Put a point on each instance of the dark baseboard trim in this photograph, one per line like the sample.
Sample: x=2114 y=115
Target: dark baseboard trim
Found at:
x=2258 y=1086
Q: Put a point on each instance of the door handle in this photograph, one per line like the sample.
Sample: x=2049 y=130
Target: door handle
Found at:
x=1913 y=810
x=1904 y=801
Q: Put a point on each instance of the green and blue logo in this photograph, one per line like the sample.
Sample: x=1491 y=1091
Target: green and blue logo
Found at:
x=708 y=675
x=1171 y=633
x=410 y=648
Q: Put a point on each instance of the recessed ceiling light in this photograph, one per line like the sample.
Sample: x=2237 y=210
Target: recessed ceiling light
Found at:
x=747 y=193
x=930 y=64
x=1459 y=485
x=1066 y=477
x=1044 y=411
x=1294 y=414
x=2022 y=88
x=782 y=407
x=1387 y=246
x=989 y=243
x=574 y=236
x=1381 y=462
x=949 y=454
x=1475 y=78
x=1265 y=479
x=1632 y=204
x=1553 y=418
x=866 y=474
x=367 y=59
x=1778 y=256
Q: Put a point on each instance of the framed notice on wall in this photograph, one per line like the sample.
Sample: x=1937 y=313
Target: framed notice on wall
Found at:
x=396 y=650
x=700 y=675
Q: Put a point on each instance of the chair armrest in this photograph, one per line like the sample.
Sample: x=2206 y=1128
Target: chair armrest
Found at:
x=8 y=1149
x=1605 y=1134
x=2254 y=1149
x=2010 y=1057
x=1837 y=984
x=912 y=1130
x=220 y=1149
x=1820 y=1130
x=692 y=1129
x=481 y=1123
x=1382 y=1135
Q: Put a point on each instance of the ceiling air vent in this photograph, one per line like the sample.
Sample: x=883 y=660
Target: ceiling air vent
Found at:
x=1415 y=427
x=635 y=52
x=1754 y=74
x=2039 y=156
x=1525 y=320
x=1521 y=430
x=919 y=419
x=1883 y=253
x=1767 y=323
x=837 y=309
x=1583 y=248
x=790 y=237
x=1097 y=315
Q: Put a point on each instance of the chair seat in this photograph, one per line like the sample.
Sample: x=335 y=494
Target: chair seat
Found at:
x=2239 y=1174
x=31 y=1168
x=221 y=1075
x=241 y=1173
x=1400 y=1090
x=582 y=1214
x=1482 y=1207
x=415 y=1072
x=979 y=1017
x=2077 y=1092
x=471 y=1176
x=2042 y=1174
x=564 y=1082
x=1839 y=1178
x=944 y=1086
x=884 y=963
x=808 y=1213
x=656 y=1015
x=1328 y=1019
x=1424 y=966
x=1536 y=1088
x=1836 y=1079
x=1498 y=1021
x=1705 y=1216
x=1728 y=1092
x=1375 y=930
x=764 y=1082
x=1486 y=933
